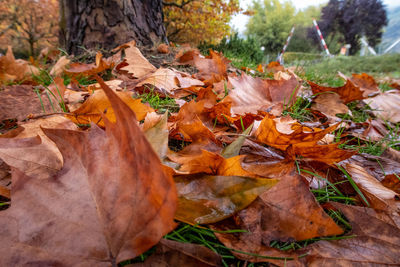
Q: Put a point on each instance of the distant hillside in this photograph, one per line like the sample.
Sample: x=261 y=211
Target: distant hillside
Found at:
x=392 y=32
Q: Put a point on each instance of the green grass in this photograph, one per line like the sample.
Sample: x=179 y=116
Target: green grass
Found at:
x=378 y=66
x=300 y=110
x=161 y=104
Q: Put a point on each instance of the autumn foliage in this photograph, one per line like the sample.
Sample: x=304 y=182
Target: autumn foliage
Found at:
x=29 y=24
x=197 y=21
x=99 y=177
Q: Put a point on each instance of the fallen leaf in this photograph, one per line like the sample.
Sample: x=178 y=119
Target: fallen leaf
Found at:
x=348 y=92
x=377 y=166
x=328 y=154
x=210 y=163
x=163 y=48
x=31 y=151
x=116 y=85
x=57 y=90
x=286 y=212
x=60 y=66
x=386 y=106
x=166 y=81
x=375 y=131
x=330 y=104
x=19 y=101
x=134 y=63
x=265 y=161
x=260 y=68
x=375 y=241
x=233 y=149
x=213 y=67
x=123 y=202
x=186 y=55
x=172 y=253
x=268 y=134
x=274 y=66
x=158 y=136
x=79 y=69
x=97 y=104
x=204 y=199
x=189 y=126
x=252 y=94
x=378 y=196
x=392 y=181
x=5 y=192
x=12 y=70
x=366 y=83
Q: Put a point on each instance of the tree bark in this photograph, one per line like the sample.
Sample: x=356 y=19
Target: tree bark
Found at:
x=109 y=23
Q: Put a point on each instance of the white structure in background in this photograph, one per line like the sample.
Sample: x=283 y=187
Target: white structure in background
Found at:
x=365 y=47
x=392 y=46
x=321 y=38
x=280 y=56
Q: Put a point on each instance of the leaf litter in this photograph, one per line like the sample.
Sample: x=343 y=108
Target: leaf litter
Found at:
x=98 y=177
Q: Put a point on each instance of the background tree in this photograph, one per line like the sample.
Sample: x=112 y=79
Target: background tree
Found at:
x=108 y=23
x=352 y=19
x=271 y=23
x=301 y=41
x=196 y=21
x=28 y=23
x=273 y=20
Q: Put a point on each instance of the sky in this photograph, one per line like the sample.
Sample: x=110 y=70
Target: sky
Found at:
x=239 y=21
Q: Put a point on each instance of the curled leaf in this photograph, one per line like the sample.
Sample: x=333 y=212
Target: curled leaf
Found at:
x=206 y=199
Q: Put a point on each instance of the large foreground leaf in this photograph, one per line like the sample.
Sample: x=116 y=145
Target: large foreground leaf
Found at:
x=111 y=201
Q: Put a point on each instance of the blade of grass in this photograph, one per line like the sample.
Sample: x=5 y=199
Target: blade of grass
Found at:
x=353 y=184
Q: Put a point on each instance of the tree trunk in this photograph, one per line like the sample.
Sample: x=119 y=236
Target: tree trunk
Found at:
x=109 y=23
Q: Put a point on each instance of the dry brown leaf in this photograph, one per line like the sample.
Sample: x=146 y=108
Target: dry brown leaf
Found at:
x=375 y=131
x=123 y=202
x=377 y=166
x=375 y=241
x=92 y=109
x=264 y=161
x=101 y=64
x=19 y=101
x=213 y=67
x=12 y=70
x=171 y=253
x=286 y=212
x=378 y=196
x=163 y=48
x=328 y=154
x=204 y=199
x=166 y=81
x=188 y=125
x=113 y=84
x=330 y=104
x=57 y=90
x=252 y=94
x=31 y=151
x=157 y=135
x=135 y=63
x=386 y=106
x=392 y=182
x=348 y=92
x=268 y=134
x=367 y=83
x=274 y=66
x=5 y=192
x=210 y=163
x=60 y=66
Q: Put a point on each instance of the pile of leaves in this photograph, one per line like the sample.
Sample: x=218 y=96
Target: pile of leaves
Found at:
x=260 y=157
